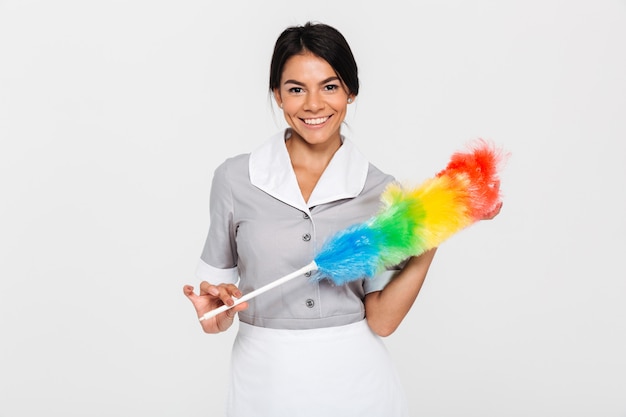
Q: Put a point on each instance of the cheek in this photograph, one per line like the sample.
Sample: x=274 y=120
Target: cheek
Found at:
x=340 y=104
x=288 y=114
x=290 y=108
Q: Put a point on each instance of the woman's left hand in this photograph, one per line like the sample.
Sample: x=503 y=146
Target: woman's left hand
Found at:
x=496 y=210
x=493 y=213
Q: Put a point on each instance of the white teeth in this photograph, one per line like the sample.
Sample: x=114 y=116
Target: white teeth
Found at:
x=317 y=121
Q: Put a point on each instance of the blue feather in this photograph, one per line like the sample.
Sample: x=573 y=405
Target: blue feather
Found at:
x=351 y=254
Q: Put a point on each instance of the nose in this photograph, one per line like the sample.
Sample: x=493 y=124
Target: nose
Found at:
x=314 y=101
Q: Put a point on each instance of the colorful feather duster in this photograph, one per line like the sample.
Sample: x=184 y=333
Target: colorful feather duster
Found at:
x=409 y=222
x=412 y=221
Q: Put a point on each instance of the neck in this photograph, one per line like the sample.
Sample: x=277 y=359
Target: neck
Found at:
x=309 y=161
x=302 y=152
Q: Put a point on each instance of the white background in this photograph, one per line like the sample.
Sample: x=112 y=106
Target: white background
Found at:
x=114 y=114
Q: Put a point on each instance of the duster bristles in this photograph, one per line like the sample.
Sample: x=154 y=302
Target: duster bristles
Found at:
x=412 y=221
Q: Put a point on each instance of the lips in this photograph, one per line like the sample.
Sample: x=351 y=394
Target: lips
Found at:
x=316 y=121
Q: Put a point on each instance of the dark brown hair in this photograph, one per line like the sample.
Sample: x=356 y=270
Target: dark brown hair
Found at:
x=321 y=40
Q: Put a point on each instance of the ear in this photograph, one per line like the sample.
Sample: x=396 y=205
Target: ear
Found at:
x=277 y=97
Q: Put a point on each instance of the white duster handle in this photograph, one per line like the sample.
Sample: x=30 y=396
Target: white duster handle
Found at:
x=310 y=267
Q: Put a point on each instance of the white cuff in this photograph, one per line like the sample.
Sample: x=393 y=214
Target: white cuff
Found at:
x=213 y=275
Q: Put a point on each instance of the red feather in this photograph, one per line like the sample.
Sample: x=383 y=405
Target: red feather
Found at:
x=479 y=169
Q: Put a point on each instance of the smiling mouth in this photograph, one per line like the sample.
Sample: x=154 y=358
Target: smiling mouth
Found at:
x=316 y=121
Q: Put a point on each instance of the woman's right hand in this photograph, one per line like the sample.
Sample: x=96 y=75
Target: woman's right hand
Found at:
x=212 y=297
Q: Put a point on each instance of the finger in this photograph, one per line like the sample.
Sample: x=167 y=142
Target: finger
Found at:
x=233 y=290
x=206 y=288
x=188 y=290
x=240 y=307
x=222 y=291
x=226 y=292
x=493 y=213
x=191 y=296
x=232 y=312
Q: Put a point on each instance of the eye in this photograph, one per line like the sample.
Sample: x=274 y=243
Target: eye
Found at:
x=295 y=90
x=331 y=87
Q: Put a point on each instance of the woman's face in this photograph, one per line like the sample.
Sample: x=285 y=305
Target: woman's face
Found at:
x=313 y=98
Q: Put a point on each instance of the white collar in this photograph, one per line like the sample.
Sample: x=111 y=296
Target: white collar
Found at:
x=271 y=171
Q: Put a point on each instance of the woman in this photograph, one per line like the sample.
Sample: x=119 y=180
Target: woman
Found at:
x=303 y=348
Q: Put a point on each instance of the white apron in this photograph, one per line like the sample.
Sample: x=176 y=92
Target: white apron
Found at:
x=342 y=371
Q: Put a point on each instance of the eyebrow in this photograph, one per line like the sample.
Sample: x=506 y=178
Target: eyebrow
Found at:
x=327 y=80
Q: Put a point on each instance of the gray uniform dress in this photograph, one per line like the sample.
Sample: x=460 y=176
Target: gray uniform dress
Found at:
x=262 y=229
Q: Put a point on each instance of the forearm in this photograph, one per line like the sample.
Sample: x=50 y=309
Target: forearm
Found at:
x=385 y=310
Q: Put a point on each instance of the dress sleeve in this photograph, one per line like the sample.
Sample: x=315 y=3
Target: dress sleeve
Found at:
x=218 y=261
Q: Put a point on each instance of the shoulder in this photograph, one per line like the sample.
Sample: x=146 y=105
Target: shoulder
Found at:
x=377 y=178
x=230 y=176
x=233 y=166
